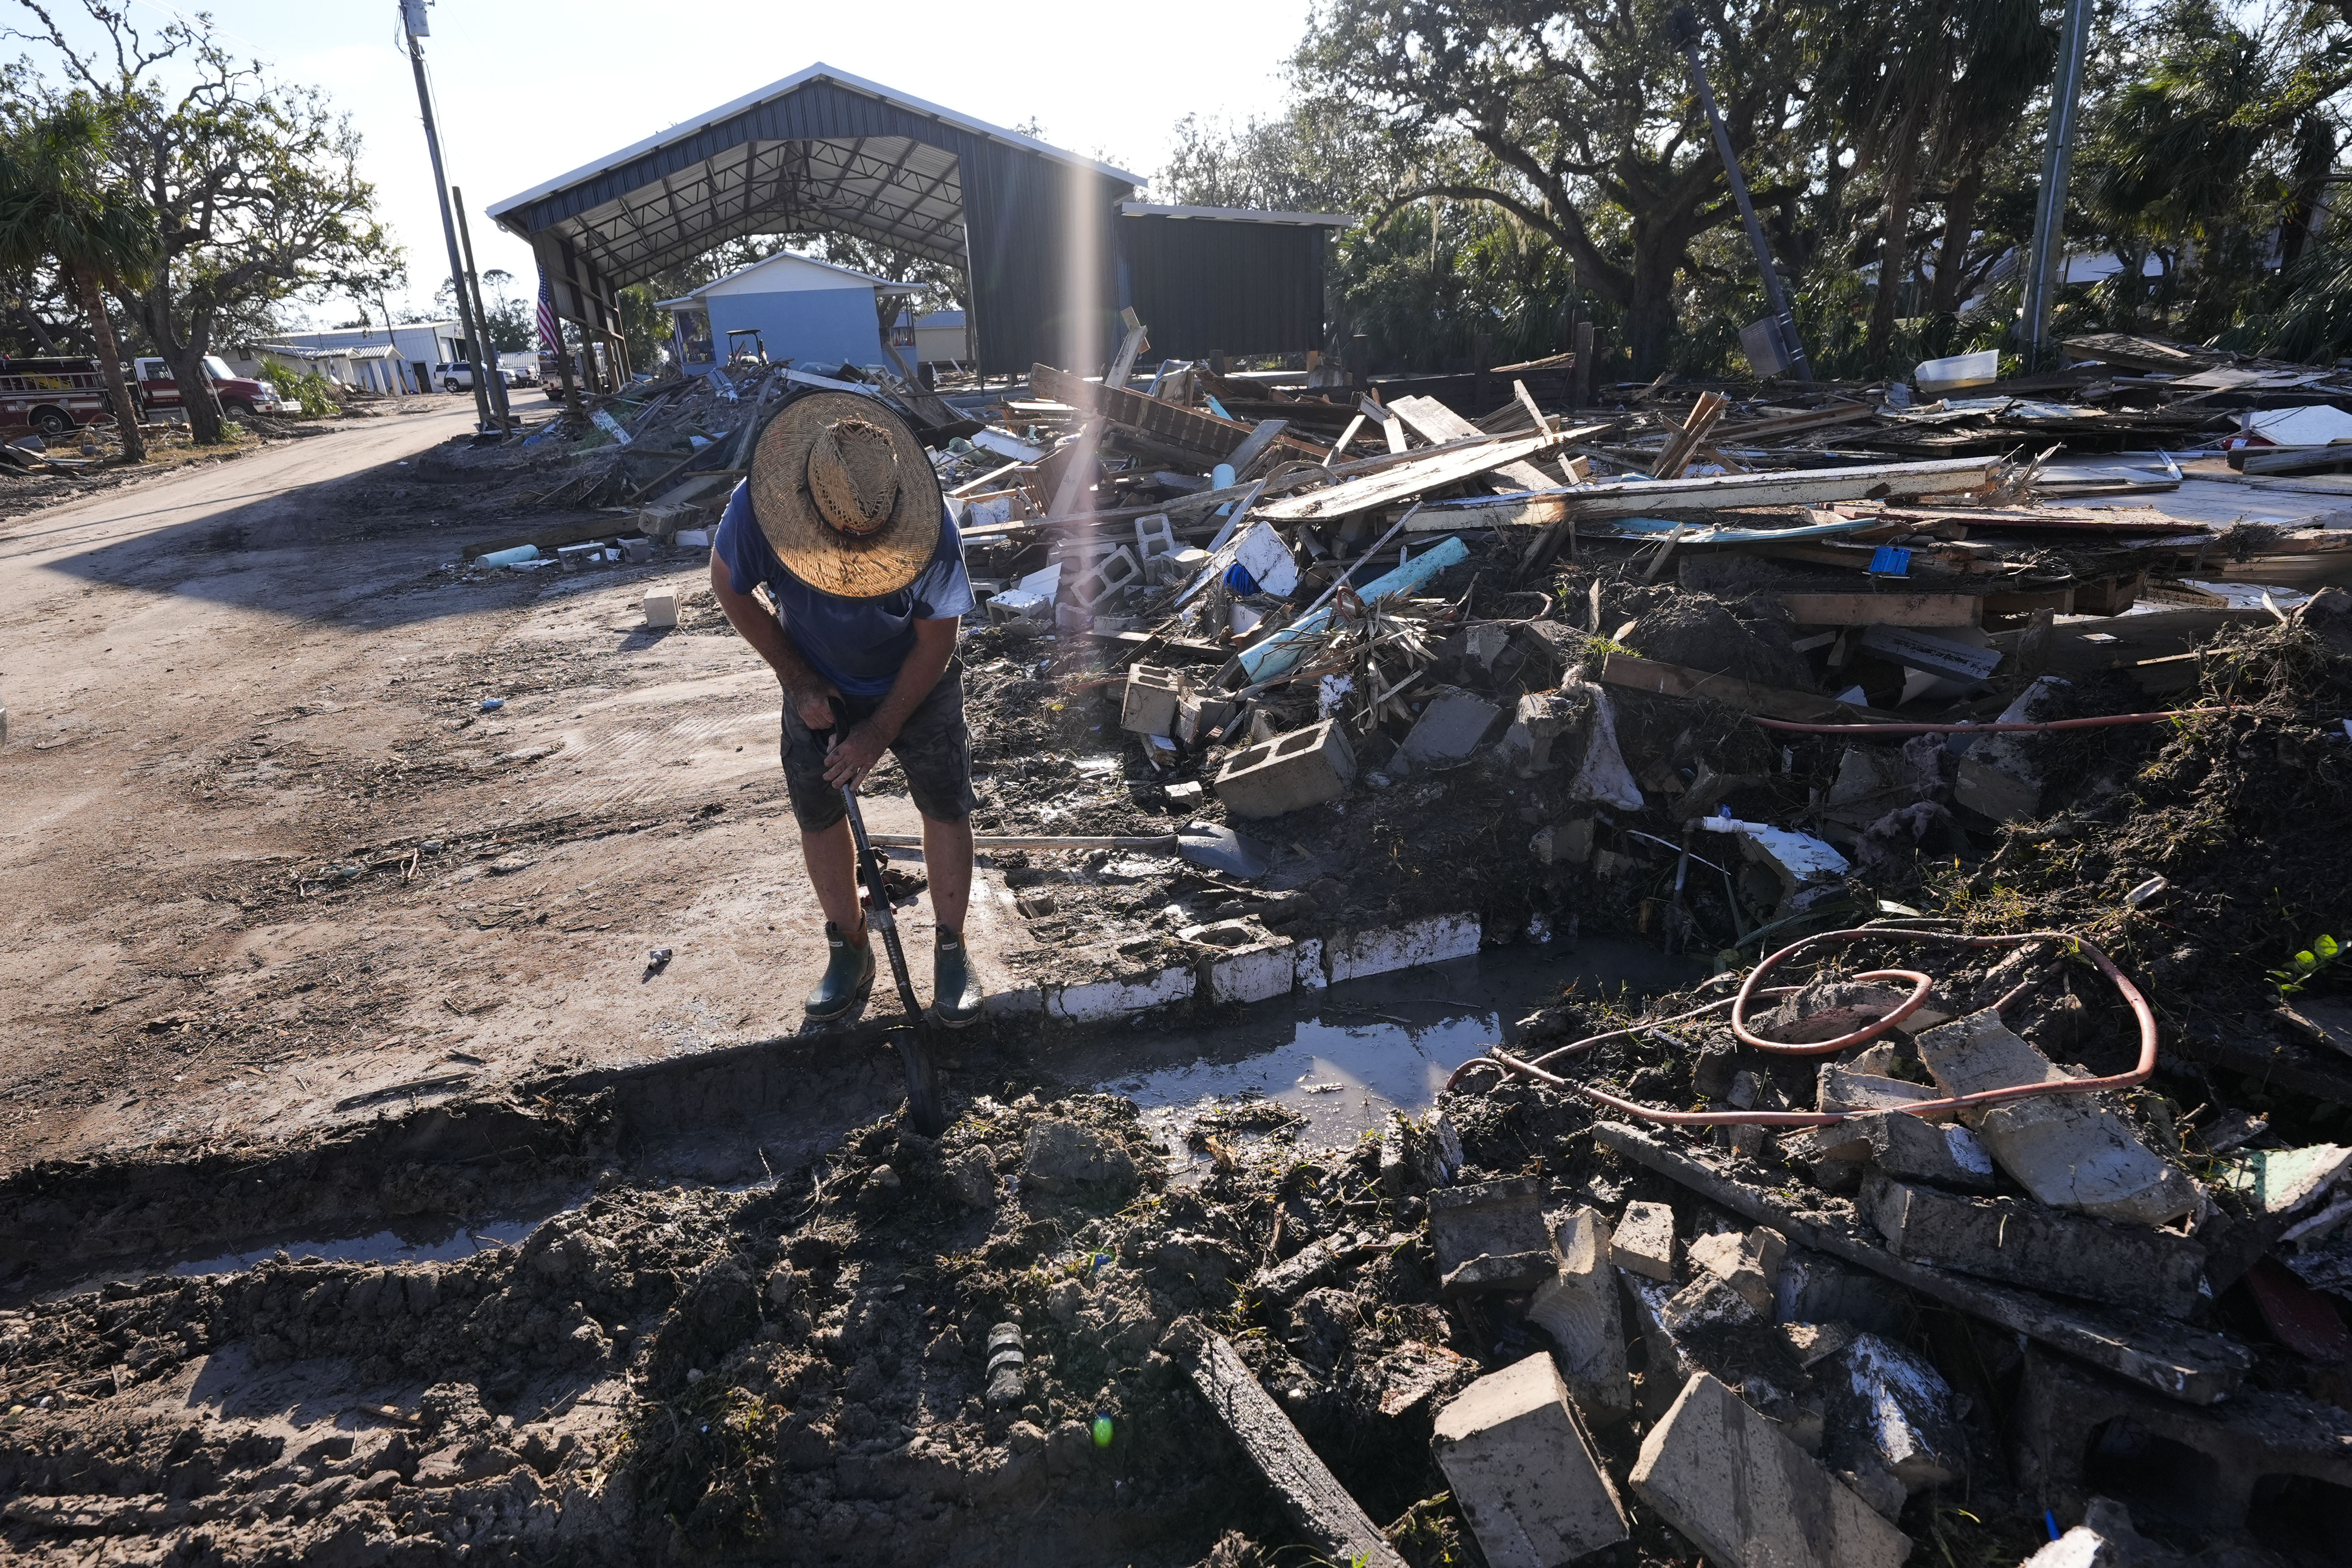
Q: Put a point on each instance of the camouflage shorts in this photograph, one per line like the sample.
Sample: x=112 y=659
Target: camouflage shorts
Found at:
x=933 y=749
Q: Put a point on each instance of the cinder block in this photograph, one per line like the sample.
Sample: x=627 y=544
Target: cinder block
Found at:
x=1890 y=1411
x=1148 y=707
x=1744 y=1494
x=1154 y=536
x=1433 y=939
x=1289 y=772
x=2206 y=1466
x=2126 y=1265
x=1643 y=1243
x=1750 y=1263
x=1844 y=1088
x=1251 y=973
x=1523 y=1468
x=1578 y=1307
x=661 y=608
x=1449 y=728
x=1108 y=575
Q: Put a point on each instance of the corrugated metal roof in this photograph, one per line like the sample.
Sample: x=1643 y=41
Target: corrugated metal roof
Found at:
x=1235 y=214
x=769 y=260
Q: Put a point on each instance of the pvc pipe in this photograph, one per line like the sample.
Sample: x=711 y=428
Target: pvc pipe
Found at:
x=1967 y=727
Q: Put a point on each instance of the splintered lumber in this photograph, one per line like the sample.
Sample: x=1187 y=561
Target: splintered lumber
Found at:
x=1675 y=455
x=1787 y=423
x=1802 y=487
x=1309 y=1494
x=1203 y=433
x=1439 y=424
x=1412 y=477
x=2135 y=353
x=2185 y=1363
x=1637 y=674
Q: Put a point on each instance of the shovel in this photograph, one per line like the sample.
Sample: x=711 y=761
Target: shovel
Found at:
x=926 y=1105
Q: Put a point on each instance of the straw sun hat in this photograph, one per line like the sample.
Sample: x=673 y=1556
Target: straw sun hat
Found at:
x=845 y=495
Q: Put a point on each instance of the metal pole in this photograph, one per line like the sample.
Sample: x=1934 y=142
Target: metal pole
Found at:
x=2045 y=268
x=474 y=284
x=412 y=21
x=1687 y=38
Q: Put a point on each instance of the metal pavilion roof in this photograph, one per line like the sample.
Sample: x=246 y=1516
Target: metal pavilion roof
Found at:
x=730 y=173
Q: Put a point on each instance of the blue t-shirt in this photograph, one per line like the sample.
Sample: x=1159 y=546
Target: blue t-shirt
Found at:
x=857 y=644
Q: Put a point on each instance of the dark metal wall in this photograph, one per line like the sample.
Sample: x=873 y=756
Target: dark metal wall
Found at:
x=1038 y=231
x=1205 y=284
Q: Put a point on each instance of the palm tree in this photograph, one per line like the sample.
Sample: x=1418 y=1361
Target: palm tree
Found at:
x=59 y=208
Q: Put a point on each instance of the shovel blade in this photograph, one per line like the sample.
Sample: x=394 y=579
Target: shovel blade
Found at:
x=1220 y=849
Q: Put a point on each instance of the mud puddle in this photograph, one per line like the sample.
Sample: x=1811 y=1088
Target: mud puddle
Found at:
x=1339 y=1061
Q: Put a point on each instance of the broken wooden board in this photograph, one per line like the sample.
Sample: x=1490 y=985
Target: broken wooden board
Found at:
x=2175 y=1359
x=1309 y=1494
x=1412 y=477
x=1800 y=487
x=1637 y=674
x=1203 y=433
x=1785 y=423
x=1440 y=424
x=1884 y=609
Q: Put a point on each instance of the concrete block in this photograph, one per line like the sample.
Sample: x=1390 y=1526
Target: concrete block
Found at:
x=1578 y=1307
x=1184 y=797
x=2210 y=1467
x=1844 y=1088
x=1749 y=1263
x=2068 y=1150
x=1541 y=718
x=1644 y=1242
x=1744 y=1494
x=1491 y=1236
x=1909 y=1150
x=1108 y=574
x=1307 y=955
x=1831 y=1159
x=2126 y=1265
x=1154 y=536
x=1289 y=772
x=1524 y=1471
x=1666 y=1364
x=1449 y=728
x=1251 y=973
x=1889 y=1410
x=661 y=608
x=1148 y=705
x=1709 y=1302
x=1433 y=939
x=1103 y=1000
x=1995 y=793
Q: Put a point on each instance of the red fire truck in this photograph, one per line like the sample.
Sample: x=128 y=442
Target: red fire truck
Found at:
x=53 y=396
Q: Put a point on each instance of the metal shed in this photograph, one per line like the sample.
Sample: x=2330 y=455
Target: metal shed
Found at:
x=1038 y=231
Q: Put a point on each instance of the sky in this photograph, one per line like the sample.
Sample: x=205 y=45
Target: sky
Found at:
x=528 y=89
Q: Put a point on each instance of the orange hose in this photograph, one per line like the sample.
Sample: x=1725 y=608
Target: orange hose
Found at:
x=2140 y=1073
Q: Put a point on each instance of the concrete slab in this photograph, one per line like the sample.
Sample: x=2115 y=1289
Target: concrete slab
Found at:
x=1491 y=1236
x=1743 y=1492
x=1449 y=729
x=2069 y=1150
x=1524 y=1471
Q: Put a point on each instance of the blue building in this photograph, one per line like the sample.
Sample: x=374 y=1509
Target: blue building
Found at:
x=809 y=311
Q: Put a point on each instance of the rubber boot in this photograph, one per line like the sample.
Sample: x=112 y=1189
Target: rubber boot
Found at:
x=955 y=990
x=848 y=976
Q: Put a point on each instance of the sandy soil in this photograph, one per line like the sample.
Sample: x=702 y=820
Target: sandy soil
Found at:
x=245 y=698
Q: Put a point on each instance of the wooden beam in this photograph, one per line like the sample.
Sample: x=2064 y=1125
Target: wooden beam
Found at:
x=1410 y=479
x=1804 y=487
x=1675 y=455
x=1203 y=433
x=1884 y=609
x=1305 y=1486
x=1439 y=424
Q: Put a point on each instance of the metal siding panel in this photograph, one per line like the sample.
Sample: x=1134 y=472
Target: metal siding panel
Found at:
x=1204 y=284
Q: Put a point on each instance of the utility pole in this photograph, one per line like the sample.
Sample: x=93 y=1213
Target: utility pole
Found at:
x=2046 y=266
x=474 y=285
x=413 y=24
x=1778 y=340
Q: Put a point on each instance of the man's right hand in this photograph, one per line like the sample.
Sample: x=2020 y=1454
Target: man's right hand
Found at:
x=812 y=701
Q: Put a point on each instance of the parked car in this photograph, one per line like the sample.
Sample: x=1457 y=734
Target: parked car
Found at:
x=457 y=375
x=240 y=398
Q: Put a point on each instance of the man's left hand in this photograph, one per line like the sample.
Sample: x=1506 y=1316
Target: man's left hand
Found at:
x=854 y=755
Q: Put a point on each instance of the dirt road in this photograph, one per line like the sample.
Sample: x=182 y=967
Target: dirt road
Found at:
x=270 y=866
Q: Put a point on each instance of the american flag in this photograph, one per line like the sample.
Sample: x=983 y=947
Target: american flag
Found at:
x=550 y=336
